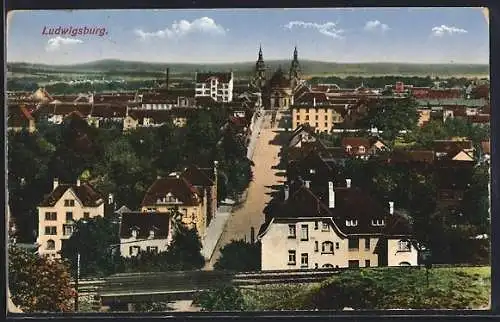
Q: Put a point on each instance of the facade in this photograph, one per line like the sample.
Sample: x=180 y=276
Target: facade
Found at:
x=218 y=86
x=144 y=232
x=315 y=110
x=66 y=204
x=340 y=228
x=175 y=192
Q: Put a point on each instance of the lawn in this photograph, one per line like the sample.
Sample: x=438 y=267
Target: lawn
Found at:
x=381 y=289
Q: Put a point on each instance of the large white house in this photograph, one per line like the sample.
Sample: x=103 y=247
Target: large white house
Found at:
x=335 y=227
x=218 y=86
x=66 y=204
x=144 y=232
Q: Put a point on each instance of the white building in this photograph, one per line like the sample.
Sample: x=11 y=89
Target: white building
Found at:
x=218 y=86
x=66 y=204
x=144 y=232
x=336 y=227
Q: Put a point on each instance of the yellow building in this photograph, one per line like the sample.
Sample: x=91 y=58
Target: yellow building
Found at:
x=314 y=109
x=66 y=204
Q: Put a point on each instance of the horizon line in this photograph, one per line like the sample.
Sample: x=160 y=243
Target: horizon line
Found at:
x=247 y=62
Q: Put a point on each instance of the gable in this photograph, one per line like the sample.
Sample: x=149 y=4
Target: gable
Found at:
x=463 y=156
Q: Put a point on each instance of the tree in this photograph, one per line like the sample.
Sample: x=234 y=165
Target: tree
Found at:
x=39 y=284
x=95 y=239
x=391 y=116
x=239 y=256
x=184 y=251
x=476 y=203
x=226 y=298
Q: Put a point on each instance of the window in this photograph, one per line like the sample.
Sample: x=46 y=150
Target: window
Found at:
x=317 y=124
x=134 y=250
x=51 y=216
x=152 y=249
x=367 y=243
x=291 y=257
x=304 y=260
x=348 y=148
x=67 y=230
x=307 y=111
x=326 y=117
x=69 y=216
x=291 y=231
x=312 y=171
x=326 y=124
x=337 y=245
x=367 y=263
x=51 y=245
x=69 y=203
x=353 y=243
x=298 y=117
x=325 y=226
x=378 y=222
x=86 y=215
x=134 y=232
x=327 y=247
x=316 y=246
x=152 y=233
x=304 y=232
x=353 y=263
x=404 y=246
x=351 y=223
x=361 y=149
x=317 y=117
x=50 y=230
x=307 y=117
x=316 y=225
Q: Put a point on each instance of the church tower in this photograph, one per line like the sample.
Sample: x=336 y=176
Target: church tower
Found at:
x=295 y=70
x=259 y=80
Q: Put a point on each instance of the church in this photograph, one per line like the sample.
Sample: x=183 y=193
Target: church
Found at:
x=277 y=90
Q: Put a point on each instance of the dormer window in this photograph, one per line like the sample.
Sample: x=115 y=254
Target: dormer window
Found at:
x=135 y=232
x=378 y=222
x=348 y=148
x=361 y=149
x=351 y=223
x=404 y=246
x=312 y=171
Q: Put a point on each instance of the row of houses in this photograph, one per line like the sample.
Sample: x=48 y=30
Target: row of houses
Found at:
x=188 y=196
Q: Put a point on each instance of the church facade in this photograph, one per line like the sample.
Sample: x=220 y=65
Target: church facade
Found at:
x=278 y=89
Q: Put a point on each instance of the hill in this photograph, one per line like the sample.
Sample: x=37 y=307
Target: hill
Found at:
x=309 y=68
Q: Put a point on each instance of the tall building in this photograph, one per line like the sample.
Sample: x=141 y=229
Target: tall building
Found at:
x=218 y=86
x=259 y=80
x=295 y=70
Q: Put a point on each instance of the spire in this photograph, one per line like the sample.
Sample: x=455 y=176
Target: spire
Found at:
x=260 y=52
x=295 y=54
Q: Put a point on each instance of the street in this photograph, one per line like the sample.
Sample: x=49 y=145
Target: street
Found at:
x=251 y=214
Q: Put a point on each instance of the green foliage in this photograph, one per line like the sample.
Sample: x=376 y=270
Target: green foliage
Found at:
x=95 y=239
x=239 y=256
x=391 y=116
x=39 y=284
x=222 y=299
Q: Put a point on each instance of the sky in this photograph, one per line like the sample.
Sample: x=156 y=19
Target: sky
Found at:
x=410 y=35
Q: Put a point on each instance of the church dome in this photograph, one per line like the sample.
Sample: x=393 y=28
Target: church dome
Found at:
x=279 y=80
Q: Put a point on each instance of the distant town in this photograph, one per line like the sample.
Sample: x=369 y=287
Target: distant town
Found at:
x=275 y=177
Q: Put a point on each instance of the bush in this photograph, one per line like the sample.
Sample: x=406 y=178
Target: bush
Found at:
x=222 y=299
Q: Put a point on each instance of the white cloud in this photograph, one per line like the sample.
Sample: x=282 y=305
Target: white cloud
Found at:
x=376 y=25
x=443 y=29
x=54 y=44
x=328 y=28
x=184 y=27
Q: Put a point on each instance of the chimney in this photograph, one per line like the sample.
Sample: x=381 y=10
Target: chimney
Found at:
x=348 y=183
x=78 y=183
x=314 y=101
x=56 y=183
x=286 y=192
x=307 y=183
x=391 y=207
x=331 y=195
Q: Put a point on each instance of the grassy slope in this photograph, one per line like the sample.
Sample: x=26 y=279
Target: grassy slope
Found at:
x=311 y=68
x=449 y=288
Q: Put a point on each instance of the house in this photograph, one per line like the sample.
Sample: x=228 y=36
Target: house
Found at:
x=145 y=232
x=456 y=150
x=302 y=133
x=218 y=86
x=313 y=168
x=176 y=192
x=362 y=147
x=204 y=179
x=57 y=213
x=316 y=110
x=19 y=118
x=345 y=229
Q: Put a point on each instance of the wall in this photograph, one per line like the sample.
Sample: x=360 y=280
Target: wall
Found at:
x=332 y=117
x=125 y=243
x=276 y=244
x=394 y=257
x=61 y=210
